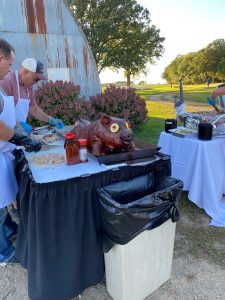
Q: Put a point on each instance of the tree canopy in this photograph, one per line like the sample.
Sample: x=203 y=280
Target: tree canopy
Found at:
x=196 y=67
x=120 y=34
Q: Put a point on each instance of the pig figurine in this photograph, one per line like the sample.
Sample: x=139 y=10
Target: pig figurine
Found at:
x=107 y=135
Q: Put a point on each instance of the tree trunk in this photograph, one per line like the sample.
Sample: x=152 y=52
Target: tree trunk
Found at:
x=128 y=79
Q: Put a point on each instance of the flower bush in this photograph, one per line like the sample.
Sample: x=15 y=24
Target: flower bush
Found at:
x=117 y=102
x=61 y=100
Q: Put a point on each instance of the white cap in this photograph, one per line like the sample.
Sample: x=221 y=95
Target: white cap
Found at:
x=35 y=66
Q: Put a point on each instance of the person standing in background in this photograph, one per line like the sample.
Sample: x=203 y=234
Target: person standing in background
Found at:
x=208 y=81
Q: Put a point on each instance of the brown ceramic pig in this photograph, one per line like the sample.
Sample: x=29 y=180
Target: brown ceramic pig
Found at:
x=106 y=136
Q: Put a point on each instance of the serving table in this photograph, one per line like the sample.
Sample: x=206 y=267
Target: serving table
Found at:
x=201 y=166
x=60 y=232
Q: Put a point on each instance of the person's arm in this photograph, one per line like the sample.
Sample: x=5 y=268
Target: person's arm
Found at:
x=38 y=113
x=6 y=133
x=218 y=92
x=20 y=138
x=35 y=110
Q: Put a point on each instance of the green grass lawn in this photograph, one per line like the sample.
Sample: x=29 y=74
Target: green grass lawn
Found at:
x=196 y=93
x=195 y=100
x=158 y=111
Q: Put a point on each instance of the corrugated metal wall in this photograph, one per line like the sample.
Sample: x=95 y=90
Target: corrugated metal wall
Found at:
x=46 y=29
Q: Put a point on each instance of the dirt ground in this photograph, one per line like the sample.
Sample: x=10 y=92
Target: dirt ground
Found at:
x=198 y=270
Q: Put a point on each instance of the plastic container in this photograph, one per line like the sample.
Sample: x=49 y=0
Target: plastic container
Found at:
x=139 y=218
x=135 y=270
x=83 y=150
x=72 y=149
x=170 y=124
x=205 y=131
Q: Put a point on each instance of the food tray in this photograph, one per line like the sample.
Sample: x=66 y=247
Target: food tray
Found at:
x=183 y=132
x=66 y=129
x=142 y=152
x=49 y=137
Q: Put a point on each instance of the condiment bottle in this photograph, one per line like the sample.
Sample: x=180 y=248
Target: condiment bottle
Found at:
x=72 y=149
x=83 y=150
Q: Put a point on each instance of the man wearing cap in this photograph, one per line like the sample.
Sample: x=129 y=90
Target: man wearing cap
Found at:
x=9 y=135
x=19 y=85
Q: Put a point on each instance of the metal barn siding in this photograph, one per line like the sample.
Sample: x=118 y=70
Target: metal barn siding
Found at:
x=47 y=30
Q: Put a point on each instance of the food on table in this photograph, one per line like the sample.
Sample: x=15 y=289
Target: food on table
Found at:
x=184 y=130
x=50 y=138
x=47 y=138
x=49 y=159
x=108 y=135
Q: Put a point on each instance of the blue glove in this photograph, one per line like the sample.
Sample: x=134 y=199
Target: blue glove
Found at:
x=56 y=122
x=27 y=128
x=211 y=101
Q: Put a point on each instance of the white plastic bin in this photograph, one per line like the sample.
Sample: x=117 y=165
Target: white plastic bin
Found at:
x=135 y=270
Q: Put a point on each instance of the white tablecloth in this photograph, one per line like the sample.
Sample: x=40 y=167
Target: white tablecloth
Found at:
x=51 y=173
x=201 y=166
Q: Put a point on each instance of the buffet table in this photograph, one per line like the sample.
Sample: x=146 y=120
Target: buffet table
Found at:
x=60 y=233
x=201 y=166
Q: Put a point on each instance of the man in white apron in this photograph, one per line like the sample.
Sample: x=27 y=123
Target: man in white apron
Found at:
x=19 y=85
x=8 y=184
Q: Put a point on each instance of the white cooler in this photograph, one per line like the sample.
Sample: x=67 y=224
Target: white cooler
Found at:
x=135 y=270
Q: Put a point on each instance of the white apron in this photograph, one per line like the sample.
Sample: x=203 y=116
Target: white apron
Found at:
x=22 y=106
x=8 y=183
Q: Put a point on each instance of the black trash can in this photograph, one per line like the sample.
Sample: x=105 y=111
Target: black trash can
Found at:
x=142 y=203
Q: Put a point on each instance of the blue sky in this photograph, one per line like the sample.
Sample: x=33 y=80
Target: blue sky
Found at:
x=188 y=26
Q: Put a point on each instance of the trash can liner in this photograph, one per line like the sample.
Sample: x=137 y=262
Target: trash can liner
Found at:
x=125 y=192
x=142 y=203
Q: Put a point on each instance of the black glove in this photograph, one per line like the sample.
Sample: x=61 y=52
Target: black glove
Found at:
x=20 y=138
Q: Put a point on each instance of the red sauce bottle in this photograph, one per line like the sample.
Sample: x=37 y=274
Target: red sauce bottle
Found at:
x=72 y=149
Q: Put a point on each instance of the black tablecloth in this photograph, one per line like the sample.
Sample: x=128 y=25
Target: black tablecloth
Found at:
x=60 y=234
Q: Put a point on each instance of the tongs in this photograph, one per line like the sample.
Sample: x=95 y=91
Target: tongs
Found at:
x=221 y=116
x=41 y=127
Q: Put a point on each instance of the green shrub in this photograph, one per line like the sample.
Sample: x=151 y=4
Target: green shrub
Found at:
x=117 y=102
x=61 y=100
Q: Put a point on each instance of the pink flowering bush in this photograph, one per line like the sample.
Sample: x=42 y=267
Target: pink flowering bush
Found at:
x=61 y=100
x=117 y=102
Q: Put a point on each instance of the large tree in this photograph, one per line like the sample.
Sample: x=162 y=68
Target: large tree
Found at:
x=213 y=60
x=196 y=67
x=171 y=72
x=120 y=34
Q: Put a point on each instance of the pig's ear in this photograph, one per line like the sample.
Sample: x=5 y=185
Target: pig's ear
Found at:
x=105 y=120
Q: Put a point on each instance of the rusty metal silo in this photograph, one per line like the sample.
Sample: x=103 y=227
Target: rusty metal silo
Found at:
x=47 y=30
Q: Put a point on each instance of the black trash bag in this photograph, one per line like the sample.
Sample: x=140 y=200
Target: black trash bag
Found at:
x=142 y=203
